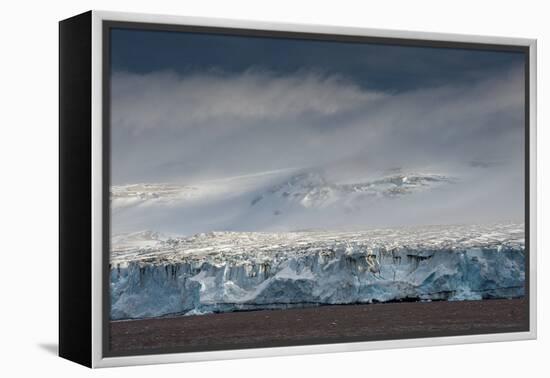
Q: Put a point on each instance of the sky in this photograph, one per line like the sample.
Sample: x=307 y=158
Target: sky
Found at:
x=191 y=107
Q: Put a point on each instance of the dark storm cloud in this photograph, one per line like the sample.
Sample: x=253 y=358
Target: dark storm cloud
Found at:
x=372 y=66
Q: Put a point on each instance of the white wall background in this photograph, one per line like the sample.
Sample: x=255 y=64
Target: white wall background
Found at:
x=28 y=207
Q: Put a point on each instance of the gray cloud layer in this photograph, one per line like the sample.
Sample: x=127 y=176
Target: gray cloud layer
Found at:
x=167 y=127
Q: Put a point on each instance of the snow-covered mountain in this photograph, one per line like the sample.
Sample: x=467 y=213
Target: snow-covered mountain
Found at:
x=155 y=275
x=272 y=201
x=311 y=189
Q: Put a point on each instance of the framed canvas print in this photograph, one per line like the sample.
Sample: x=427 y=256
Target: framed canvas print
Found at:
x=233 y=189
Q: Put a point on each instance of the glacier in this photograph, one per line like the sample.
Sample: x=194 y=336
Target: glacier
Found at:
x=154 y=274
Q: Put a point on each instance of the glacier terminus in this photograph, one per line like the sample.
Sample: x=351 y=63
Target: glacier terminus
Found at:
x=154 y=274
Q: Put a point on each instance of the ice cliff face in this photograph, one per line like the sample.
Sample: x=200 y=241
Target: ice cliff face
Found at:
x=155 y=275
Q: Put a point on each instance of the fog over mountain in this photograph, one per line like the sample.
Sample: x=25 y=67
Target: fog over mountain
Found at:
x=260 y=149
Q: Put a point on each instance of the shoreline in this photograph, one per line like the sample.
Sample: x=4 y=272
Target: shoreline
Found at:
x=316 y=325
x=296 y=306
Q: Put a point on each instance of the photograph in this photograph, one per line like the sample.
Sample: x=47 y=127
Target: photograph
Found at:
x=275 y=189
x=279 y=189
